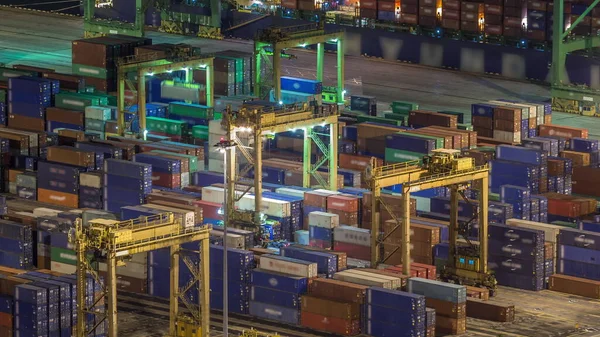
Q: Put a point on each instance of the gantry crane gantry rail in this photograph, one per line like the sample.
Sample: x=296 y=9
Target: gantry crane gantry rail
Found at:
x=416 y=177
x=116 y=241
x=275 y=40
x=184 y=57
x=260 y=122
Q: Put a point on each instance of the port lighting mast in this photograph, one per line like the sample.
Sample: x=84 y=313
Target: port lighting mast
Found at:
x=247 y=127
x=276 y=40
x=115 y=241
x=437 y=172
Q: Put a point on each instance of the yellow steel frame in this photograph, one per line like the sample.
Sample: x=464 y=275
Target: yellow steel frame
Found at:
x=414 y=178
x=149 y=64
x=264 y=122
x=118 y=240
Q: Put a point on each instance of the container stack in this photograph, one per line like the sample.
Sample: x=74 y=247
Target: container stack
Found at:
x=368 y=9
x=28 y=98
x=518 y=166
x=470 y=13
x=26 y=185
x=326 y=262
x=513 y=19
x=394 y=313
x=62 y=253
x=91 y=193
x=584 y=28
x=58 y=184
x=578 y=253
x=451 y=15
x=125 y=183
x=195 y=115
x=519 y=198
x=345 y=207
x=295 y=215
x=314 y=201
x=537 y=20
x=409 y=13
x=16 y=245
x=493 y=12
x=356 y=242
x=448 y=300
x=386 y=10
x=428 y=16
x=96 y=118
x=321 y=226
x=281 y=304
x=518 y=257
x=31 y=310
x=301 y=90
x=333 y=306
x=403 y=147
x=240 y=264
x=282 y=284
x=174 y=129
x=394 y=204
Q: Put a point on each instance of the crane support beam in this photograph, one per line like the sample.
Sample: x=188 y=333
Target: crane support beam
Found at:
x=120 y=239
x=97 y=27
x=149 y=65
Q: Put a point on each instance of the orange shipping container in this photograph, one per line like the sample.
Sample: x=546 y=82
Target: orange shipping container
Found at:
x=58 y=198
x=342 y=203
x=356 y=162
x=330 y=324
x=6 y=320
x=563 y=131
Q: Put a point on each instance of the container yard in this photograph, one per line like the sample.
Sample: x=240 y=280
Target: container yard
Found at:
x=168 y=185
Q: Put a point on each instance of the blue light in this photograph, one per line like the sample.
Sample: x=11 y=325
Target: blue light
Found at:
x=523 y=42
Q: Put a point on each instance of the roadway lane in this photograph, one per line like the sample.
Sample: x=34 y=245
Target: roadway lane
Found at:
x=45 y=40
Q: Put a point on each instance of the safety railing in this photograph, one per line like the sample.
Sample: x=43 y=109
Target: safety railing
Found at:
x=394 y=169
x=445 y=175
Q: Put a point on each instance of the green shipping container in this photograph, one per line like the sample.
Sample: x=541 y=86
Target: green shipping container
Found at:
x=74 y=101
x=163 y=125
x=401 y=156
x=89 y=71
x=565 y=224
x=62 y=255
x=2 y=96
x=190 y=110
x=466 y=127
x=361 y=119
x=6 y=73
x=192 y=160
x=94 y=125
x=200 y=132
x=403 y=107
x=397 y=117
x=239 y=67
x=103 y=98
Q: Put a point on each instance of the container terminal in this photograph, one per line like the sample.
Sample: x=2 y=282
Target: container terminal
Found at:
x=127 y=161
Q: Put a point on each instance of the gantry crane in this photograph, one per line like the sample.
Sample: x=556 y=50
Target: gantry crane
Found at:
x=565 y=97
x=115 y=241
x=275 y=40
x=183 y=57
x=443 y=169
x=261 y=122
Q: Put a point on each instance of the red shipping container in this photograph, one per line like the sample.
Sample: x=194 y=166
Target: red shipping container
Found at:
x=368 y=13
x=595 y=22
x=493 y=29
x=512 y=3
x=564 y=208
x=411 y=19
x=431 y=270
x=515 y=12
x=356 y=162
x=428 y=3
x=537 y=35
x=539 y=5
x=512 y=31
x=450 y=4
x=306 y=5
x=494 y=20
x=6 y=320
x=510 y=21
x=291 y=4
x=562 y=131
x=467 y=6
x=410 y=2
x=320 y=243
x=451 y=24
x=368 y=4
x=342 y=203
x=353 y=251
x=587 y=20
x=596 y=12
x=166 y=179
x=451 y=15
x=427 y=21
x=210 y=210
x=389 y=6
x=316 y=199
x=409 y=9
x=330 y=324
x=398 y=270
x=492 y=9
x=469 y=16
x=494 y=2
x=427 y=11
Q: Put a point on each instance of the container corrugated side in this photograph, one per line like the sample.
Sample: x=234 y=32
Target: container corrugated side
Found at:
x=288 y=266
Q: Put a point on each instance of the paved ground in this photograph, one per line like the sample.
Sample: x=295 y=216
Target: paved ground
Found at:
x=43 y=40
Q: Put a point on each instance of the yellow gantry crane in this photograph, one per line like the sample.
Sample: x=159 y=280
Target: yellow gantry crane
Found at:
x=116 y=241
x=444 y=168
x=256 y=123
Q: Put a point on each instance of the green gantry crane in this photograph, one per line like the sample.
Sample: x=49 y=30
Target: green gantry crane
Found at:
x=566 y=97
x=171 y=22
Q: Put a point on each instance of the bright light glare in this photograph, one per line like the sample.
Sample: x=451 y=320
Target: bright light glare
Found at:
x=150 y=74
x=222 y=150
x=203 y=66
x=280 y=102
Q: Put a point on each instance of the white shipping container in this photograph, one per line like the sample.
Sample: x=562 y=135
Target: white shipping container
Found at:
x=62 y=268
x=353 y=235
x=323 y=219
x=396 y=282
x=214 y=126
x=216 y=165
x=327 y=192
x=43 y=250
x=365 y=280
x=131 y=269
x=213 y=194
x=272 y=207
x=550 y=231
x=90 y=180
x=233 y=240
x=42 y=211
x=290 y=191
x=505 y=136
x=185 y=179
x=288 y=267
x=139 y=258
x=188 y=217
x=98 y=112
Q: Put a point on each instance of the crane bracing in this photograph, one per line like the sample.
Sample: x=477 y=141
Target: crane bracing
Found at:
x=276 y=40
x=443 y=169
x=260 y=122
x=183 y=57
x=115 y=241
x=566 y=97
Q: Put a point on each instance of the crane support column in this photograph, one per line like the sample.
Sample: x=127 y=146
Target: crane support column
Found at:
x=205 y=287
x=141 y=108
x=483 y=224
x=174 y=292
x=558 y=55
x=121 y=103
x=81 y=284
x=375 y=227
x=453 y=224
x=406 y=232
x=258 y=177
x=307 y=162
x=276 y=72
x=111 y=275
x=210 y=89
x=320 y=60
x=333 y=158
x=340 y=71
x=258 y=50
